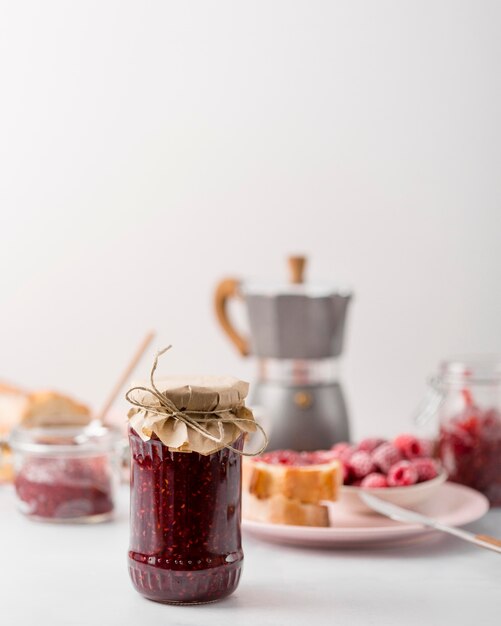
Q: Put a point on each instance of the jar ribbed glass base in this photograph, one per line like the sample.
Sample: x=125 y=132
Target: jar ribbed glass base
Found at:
x=185 y=587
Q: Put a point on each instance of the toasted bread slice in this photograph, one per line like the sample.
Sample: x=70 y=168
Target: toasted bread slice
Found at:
x=309 y=484
x=49 y=408
x=289 y=494
x=278 y=509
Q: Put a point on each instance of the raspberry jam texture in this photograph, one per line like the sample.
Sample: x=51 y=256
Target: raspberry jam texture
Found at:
x=470 y=450
x=65 y=489
x=293 y=458
x=185 y=539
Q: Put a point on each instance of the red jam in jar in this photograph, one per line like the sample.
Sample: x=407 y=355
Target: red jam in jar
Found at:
x=465 y=396
x=64 y=489
x=66 y=474
x=470 y=450
x=185 y=544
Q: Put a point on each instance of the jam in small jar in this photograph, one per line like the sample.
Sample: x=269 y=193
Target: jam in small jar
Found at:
x=66 y=474
x=186 y=440
x=466 y=395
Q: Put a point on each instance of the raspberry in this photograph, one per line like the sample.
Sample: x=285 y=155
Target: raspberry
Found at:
x=402 y=474
x=426 y=469
x=374 y=481
x=370 y=444
x=342 y=451
x=410 y=446
x=385 y=456
x=361 y=464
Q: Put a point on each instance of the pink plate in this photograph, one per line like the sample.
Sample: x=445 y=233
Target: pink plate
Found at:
x=451 y=504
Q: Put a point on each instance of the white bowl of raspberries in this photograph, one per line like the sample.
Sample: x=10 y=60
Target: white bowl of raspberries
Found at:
x=401 y=471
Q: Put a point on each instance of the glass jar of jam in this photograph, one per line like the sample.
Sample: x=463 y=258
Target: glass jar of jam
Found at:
x=186 y=439
x=466 y=397
x=185 y=544
x=66 y=474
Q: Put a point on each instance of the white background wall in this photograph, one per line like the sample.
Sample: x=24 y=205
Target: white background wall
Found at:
x=148 y=149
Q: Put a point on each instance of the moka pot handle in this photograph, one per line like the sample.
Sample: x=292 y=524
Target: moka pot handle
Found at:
x=226 y=290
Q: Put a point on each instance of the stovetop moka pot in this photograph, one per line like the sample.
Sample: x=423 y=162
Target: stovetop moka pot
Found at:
x=296 y=335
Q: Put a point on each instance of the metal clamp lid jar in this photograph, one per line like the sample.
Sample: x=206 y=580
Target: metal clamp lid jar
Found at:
x=464 y=401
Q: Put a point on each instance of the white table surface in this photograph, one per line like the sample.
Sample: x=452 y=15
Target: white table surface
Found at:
x=74 y=575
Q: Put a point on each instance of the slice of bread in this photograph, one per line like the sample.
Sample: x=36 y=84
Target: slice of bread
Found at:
x=49 y=408
x=309 y=484
x=289 y=494
x=281 y=510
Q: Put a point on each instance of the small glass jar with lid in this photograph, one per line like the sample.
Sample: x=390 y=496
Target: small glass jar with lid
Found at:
x=465 y=402
x=186 y=439
x=67 y=473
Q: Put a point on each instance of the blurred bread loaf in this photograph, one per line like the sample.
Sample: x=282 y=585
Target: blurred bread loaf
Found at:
x=49 y=408
x=32 y=410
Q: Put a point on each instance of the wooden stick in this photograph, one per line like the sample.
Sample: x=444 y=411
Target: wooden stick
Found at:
x=297 y=266
x=125 y=375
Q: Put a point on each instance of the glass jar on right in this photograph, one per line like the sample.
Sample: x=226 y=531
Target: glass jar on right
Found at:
x=469 y=417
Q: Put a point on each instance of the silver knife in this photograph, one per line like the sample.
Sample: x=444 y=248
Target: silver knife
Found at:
x=400 y=514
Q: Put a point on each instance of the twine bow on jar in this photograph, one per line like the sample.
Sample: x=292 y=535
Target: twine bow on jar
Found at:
x=193 y=414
